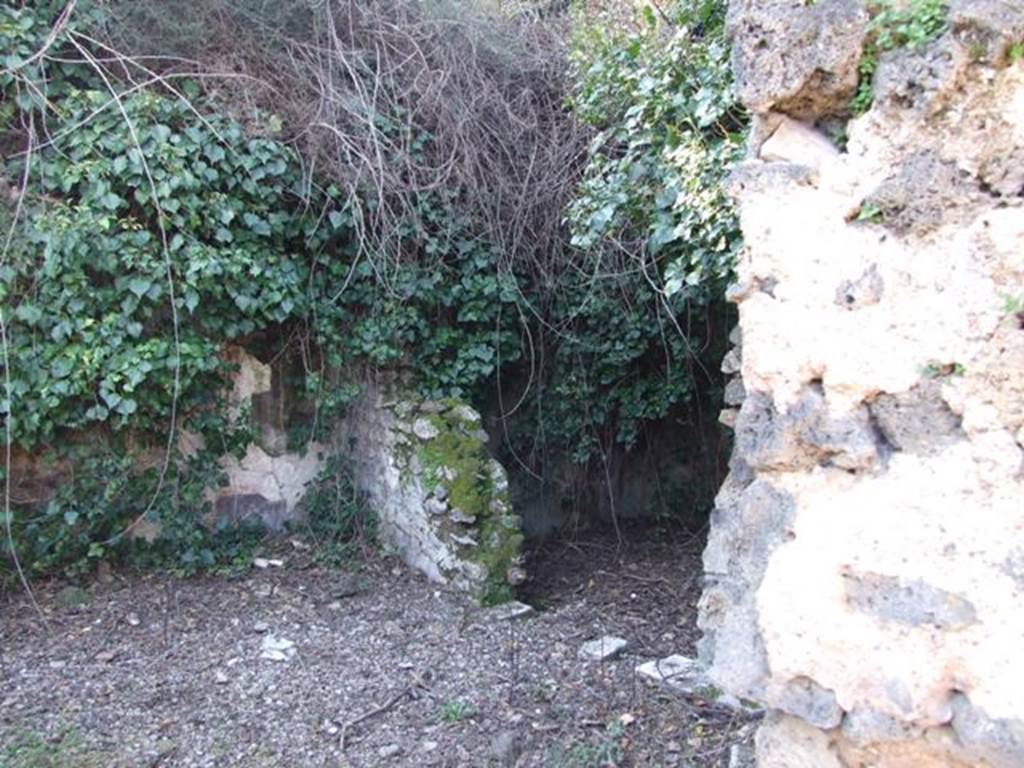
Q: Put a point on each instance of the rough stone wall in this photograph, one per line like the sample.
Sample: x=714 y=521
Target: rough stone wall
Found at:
x=440 y=498
x=865 y=568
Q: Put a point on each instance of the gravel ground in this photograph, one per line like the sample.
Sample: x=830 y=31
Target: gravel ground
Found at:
x=386 y=669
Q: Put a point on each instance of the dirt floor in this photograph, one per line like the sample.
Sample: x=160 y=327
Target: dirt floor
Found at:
x=376 y=668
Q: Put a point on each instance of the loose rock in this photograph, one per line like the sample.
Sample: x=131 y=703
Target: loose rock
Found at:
x=506 y=748
x=277 y=649
x=424 y=429
x=603 y=649
x=511 y=610
x=689 y=677
x=388 y=751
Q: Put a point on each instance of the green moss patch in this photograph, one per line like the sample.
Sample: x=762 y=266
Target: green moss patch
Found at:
x=458 y=461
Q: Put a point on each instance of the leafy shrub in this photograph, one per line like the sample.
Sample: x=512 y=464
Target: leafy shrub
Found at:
x=337 y=519
x=148 y=228
x=668 y=130
x=653 y=237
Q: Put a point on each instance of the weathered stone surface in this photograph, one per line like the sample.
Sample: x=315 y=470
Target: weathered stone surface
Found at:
x=788 y=742
x=424 y=429
x=806 y=435
x=911 y=602
x=735 y=393
x=999 y=741
x=603 y=648
x=799 y=143
x=251 y=377
x=988 y=28
x=458 y=516
x=441 y=500
x=864 y=564
x=865 y=291
x=994 y=380
x=867 y=726
x=731 y=363
x=689 y=677
x=35 y=479
x=924 y=193
x=727 y=417
x=917 y=421
x=797 y=58
x=463 y=412
x=810 y=702
x=435 y=506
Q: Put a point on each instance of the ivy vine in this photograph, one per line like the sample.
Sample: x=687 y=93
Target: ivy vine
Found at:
x=147 y=229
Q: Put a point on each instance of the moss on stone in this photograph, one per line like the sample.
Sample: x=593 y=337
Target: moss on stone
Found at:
x=459 y=461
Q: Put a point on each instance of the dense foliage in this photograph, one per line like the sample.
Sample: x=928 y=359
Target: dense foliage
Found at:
x=146 y=229
x=668 y=128
x=653 y=238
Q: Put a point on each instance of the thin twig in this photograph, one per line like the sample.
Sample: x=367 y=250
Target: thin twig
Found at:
x=389 y=704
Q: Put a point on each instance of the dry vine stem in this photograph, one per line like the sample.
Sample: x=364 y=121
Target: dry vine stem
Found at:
x=372 y=713
x=394 y=100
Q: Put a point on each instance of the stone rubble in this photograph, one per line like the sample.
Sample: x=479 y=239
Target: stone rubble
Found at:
x=689 y=677
x=603 y=648
x=275 y=648
x=513 y=609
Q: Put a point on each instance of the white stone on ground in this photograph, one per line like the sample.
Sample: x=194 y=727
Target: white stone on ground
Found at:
x=511 y=610
x=389 y=750
x=603 y=649
x=689 y=677
x=277 y=648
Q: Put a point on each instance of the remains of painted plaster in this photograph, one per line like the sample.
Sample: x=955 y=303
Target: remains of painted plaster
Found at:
x=267 y=484
x=440 y=499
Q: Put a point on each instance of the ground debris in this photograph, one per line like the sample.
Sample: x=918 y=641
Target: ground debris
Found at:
x=400 y=664
x=277 y=648
x=511 y=610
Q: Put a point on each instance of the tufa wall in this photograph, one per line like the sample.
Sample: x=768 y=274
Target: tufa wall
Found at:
x=865 y=568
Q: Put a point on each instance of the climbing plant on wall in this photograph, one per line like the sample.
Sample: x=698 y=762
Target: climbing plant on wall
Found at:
x=147 y=222
x=668 y=129
x=653 y=236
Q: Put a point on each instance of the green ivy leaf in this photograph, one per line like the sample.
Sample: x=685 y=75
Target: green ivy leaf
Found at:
x=139 y=285
x=126 y=407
